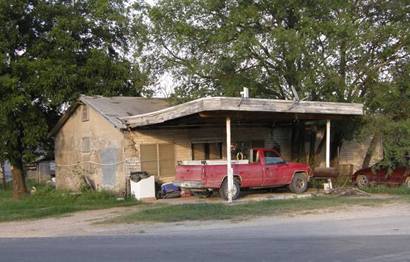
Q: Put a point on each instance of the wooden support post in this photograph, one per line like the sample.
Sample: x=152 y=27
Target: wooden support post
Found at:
x=228 y=159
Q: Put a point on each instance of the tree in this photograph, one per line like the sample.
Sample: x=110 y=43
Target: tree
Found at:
x=326 y=50
x=51 y=52
x=391 y=120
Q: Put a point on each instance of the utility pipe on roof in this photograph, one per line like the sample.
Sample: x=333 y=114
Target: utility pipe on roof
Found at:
x=228 y=159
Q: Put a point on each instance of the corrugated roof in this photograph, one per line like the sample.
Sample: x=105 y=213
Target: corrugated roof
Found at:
x=113 y=108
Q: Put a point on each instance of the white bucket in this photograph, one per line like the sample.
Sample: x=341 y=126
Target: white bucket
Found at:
x=327 y=187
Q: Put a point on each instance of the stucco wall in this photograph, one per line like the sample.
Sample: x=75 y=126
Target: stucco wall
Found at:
x=353 y=152
x=102 y=163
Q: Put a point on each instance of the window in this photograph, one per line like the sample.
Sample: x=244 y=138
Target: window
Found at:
x=272 y=158
x=84 y=113
x=243 y=148
x=158 y=159
x=206 y=151
x=85 y=145
x=254 y=158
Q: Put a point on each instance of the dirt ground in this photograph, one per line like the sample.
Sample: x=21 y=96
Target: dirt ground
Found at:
x=86 y=223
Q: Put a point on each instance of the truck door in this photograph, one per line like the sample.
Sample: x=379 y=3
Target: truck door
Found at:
x=252 y=174
x=274 y=167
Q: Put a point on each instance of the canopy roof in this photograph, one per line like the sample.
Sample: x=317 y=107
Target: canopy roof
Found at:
x=139 y=112
x=245 y=110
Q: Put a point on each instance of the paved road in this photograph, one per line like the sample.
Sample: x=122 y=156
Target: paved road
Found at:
x=211 y=248
x=361 y=234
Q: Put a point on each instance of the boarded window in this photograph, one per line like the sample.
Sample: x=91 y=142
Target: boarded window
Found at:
x=85 y=145
x=215 y=151
x=84 y=113
x=158 y=159
x=149 y=161
x=206 y=151
x=198 y=151
x=166 y=160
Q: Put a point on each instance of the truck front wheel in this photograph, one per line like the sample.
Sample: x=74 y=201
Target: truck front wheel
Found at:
x=299 y=183
x=223 y=191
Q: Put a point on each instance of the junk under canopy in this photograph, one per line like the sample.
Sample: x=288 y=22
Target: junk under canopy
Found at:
x=169 y=190
x=142 y=185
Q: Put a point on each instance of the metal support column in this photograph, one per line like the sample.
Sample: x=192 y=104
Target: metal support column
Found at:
x=328 y=143
x=328 y=150
x=228 y=159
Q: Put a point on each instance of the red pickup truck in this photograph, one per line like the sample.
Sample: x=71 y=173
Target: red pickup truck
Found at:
x=264 y=168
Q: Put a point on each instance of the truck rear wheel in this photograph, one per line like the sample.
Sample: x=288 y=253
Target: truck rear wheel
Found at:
x=299 y=183
x=223 y=191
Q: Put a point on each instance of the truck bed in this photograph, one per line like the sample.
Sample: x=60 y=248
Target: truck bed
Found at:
x=211 y=162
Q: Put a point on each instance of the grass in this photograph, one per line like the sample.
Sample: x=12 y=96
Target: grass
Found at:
x=49 y=202
x=220 y=211
x=402 y=190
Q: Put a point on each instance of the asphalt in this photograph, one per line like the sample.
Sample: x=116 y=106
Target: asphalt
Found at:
x=219 y=247
x=379 y=233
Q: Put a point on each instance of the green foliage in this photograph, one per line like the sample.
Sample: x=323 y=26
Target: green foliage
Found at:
x=390 y=104
x=48 y=202
x=326 y=50
x=51 y=52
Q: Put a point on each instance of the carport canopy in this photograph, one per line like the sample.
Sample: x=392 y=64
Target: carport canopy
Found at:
x=217 y=111
x=213 y=110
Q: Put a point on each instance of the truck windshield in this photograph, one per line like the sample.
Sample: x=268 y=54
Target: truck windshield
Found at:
x=272 y=158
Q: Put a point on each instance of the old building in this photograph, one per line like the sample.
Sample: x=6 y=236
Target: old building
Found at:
x=105 y=138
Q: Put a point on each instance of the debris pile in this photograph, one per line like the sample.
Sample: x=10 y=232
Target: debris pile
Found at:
x=348 y=191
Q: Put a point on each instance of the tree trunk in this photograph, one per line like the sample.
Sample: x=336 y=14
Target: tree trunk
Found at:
x=17 y=171
x=4 y=176
x=19 y=182
x=370 y=150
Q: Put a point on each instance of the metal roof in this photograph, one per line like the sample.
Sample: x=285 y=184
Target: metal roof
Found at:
x=116 y=107
x=113 y=108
